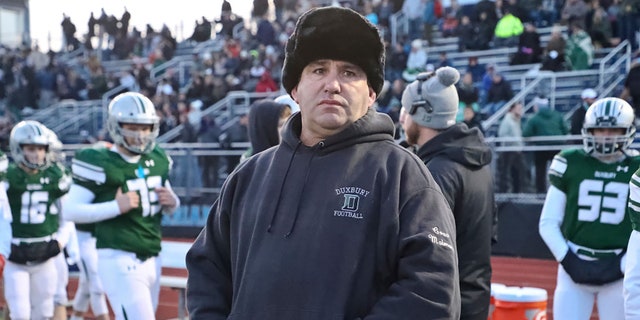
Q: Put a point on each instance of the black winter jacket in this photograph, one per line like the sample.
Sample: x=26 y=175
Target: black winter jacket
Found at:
x=459 y=159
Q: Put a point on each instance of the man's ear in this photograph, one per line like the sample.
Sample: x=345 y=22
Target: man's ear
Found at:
x=372 y=97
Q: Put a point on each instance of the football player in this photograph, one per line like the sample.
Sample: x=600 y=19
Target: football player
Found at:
x=90 y=290
x=34 y=184
x=125 y=189
x=584 y=220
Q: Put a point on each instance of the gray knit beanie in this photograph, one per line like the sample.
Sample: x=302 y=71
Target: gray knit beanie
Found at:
x=433 y=98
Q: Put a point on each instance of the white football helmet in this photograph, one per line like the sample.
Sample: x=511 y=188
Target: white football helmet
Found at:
x=133 y=107
x=30 y=132
x=608 y=113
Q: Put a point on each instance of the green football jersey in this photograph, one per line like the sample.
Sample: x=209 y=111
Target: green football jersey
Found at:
x=103 y=172
x=33 y=200
x=596 y=214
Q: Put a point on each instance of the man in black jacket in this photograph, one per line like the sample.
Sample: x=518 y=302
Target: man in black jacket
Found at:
x=337 y=221
x=458 y=159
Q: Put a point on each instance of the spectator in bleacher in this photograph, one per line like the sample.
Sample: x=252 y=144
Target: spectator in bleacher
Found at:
x=487 y=82
x=485 y=32
x=545 y=122
x=468 y=94
x=518 y=10
x=588 y=96
x=124 y=22
x=449 y=24
x=443 y=61
x=557 y=41
x=416 y=61
x=529 y=48
x=266 y=83
x=413 y=10
x=555 y=62
x=429 y=20
x=580 y=50
x=209 y=133
x=631 y=91
x=508 y=30
x=499 y=93
x=472 y=117
x=69 y=32
x=46 y=80
x=629 y=21
x=71 y=86
x=385 y=10
x=265 y=33
x=477 y=70
x=489 y=9
x=215 y=89
x=202 y=31
x=389 y=101
x=574 y=10
x=369 y=13
x=237 y=132
x=467 y=33
x=196 y=89
x=598 y=26
x=396 y=61
x=98 y=83
x=228 y=20
x=91 y=26
x=513 y=172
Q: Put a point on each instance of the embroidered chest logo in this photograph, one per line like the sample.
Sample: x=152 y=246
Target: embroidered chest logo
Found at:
x=350 y=200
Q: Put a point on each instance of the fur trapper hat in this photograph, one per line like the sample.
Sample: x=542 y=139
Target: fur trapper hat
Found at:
x=334 y=33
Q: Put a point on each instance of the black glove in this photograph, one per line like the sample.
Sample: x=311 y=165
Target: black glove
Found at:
x=592 y=272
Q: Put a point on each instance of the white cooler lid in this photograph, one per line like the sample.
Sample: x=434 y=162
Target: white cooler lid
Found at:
x=521 y=294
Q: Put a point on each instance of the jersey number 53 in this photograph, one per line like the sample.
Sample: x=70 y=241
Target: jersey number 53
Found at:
x=604 y=201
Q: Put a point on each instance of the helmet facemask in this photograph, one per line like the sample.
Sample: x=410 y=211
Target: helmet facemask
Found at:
x=137 y=141
x=611 y=113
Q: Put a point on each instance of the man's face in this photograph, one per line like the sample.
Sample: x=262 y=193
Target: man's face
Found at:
x=34 y=153
x=332 y=94
x=411 y=130
x=136 y=134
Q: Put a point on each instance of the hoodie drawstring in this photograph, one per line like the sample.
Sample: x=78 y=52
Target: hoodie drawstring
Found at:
x=304 y=186
x=273 y=214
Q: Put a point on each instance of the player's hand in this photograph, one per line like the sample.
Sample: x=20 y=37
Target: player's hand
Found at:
x=1 y=265
x=165 y=197
x=127 y=201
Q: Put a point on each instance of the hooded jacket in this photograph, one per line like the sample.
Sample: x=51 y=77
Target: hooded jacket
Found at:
x=459 y=160
x=263 y=125
x=353 y=227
